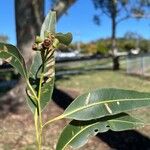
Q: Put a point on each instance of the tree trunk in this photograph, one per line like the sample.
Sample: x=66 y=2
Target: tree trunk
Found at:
x=116 y=65
x=29 y=17
x=113 y=37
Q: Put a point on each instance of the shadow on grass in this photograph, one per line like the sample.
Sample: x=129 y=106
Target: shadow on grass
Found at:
x=65 y=74
x=125 y=140
x=61 y=98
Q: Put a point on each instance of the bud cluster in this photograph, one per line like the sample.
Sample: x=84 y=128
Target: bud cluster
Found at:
x=49 y=42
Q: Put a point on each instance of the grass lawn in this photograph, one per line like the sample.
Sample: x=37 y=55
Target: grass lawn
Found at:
x=86 y=64
x=104 y=79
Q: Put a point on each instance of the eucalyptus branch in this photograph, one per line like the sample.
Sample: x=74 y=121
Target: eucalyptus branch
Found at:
x=123 y=18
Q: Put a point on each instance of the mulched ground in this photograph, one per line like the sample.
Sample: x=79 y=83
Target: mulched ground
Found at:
x=17 y=129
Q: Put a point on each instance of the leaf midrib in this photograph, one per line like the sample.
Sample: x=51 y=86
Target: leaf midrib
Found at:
x=78 y=134
x=103 y=102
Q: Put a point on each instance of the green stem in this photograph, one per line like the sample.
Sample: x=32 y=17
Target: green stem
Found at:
x=37 y=115
x=40 y=125
x=40 y=113
x=36 y=126
x=52 y=120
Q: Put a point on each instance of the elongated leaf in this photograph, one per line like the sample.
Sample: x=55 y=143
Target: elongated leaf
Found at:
x=46 y=93
x=39 y=75
x=12 y=55
x=36 y=65
x=104 y=102
x=34 y=80
x=48 y=24
x=64 y=38
x=47 y=81
x=77 y=133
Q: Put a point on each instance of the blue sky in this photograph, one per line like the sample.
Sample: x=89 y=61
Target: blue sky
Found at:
x=79 y=21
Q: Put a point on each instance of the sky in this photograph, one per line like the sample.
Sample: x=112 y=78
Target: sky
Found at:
x=78 y=20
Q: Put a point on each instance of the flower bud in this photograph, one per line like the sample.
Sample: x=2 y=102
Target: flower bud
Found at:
x=47 y=42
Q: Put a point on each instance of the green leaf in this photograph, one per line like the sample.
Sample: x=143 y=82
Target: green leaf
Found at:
x=12 y=55
x=77 y=133
x=47 y=80
x=64 y=38
x=35 y=68
x=42 y=72
x=104 y=102
x=46 y=93
x=48 y=24
x=34 y=80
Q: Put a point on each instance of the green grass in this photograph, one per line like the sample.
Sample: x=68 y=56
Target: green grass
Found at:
x=104 y=79
x=78 y=65
x=88 y=64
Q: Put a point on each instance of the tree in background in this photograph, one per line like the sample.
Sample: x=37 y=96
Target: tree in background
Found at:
x=3 y=38
x=127 y=43
x=118 y=11
x=144 y=45
x=102 y=46
x=88 y=48
x=62 y=6
x=135 y=40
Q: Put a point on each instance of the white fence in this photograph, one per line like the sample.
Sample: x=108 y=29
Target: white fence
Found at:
x=139 y=64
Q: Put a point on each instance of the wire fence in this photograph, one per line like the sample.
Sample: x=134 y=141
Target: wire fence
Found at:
x=139 y=64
